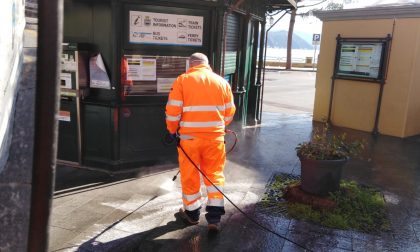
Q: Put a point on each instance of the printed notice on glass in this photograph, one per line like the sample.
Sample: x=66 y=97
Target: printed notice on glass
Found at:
x=164 y=85
x=140 y=69
x=360 y=60
x=166 y=29
x=134 y=69
x=147 y=69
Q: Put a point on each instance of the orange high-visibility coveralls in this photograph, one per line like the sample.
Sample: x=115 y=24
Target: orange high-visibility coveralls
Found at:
x=199 y=107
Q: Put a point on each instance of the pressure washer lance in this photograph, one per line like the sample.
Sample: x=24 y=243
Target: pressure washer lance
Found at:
x=224 y=195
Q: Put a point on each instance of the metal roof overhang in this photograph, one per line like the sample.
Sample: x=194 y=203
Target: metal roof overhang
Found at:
x=274 y=5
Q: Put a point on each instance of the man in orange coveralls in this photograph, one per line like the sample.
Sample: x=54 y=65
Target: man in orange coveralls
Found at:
x=199 y=107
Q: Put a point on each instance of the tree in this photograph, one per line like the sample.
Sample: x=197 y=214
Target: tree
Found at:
x=330 y=6
x=290 y=38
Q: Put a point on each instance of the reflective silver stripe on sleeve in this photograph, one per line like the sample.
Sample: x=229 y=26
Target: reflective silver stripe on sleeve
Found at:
x=203 y=108
x=173 y=118
x=228 y=118
x=192 y=197
x=193 y=206
x=201 y=124
x=229 y=105
x=215 y=202
x=185 y=137
x=211 y=189
x=175 y=103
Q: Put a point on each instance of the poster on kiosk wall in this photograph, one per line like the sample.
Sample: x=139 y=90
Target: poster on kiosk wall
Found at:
x=165 y=29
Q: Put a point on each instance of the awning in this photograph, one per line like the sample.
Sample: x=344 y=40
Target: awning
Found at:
x=274 y=5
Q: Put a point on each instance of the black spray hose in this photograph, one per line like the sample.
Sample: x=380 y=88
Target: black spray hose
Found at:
x=233 y=204
x=229 y=151
x=236 y=140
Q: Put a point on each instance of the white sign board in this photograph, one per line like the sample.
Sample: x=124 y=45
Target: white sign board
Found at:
x=166 y=29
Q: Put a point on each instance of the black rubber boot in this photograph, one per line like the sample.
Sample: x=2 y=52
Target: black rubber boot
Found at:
x=214 y=214
x=190 y=217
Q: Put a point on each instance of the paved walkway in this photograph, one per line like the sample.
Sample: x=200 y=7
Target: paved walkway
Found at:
x=95 y=212
x=289 y=92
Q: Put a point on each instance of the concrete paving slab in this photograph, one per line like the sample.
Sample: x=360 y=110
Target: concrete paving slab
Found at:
x=59 y=237
x=303 y=226
x=64 y=206
x=319 y=241
x=77 y=220
x=112 y=240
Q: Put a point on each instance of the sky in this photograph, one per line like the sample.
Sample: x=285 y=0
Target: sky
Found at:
x=305 y=27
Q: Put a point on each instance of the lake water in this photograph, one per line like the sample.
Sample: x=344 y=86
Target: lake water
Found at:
x=298 y=55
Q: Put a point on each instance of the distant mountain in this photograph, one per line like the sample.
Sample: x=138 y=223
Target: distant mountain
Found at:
x=307 y=36
x=278 y=39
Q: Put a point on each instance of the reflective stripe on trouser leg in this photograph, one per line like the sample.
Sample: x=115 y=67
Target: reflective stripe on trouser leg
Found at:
x=215 y=198
x=192 y=206
x=190 y=177
x=213 y=162
x=191 y=201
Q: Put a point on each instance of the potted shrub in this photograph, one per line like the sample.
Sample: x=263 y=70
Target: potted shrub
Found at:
x=322 y=159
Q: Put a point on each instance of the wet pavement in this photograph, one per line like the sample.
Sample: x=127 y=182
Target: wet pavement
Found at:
x=131 y=213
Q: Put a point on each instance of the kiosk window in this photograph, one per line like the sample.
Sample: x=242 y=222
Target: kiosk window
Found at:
x=153 y=75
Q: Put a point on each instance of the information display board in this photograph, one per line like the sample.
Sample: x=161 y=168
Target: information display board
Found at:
x=361 y=58
x=165 y=29
x=153 y=75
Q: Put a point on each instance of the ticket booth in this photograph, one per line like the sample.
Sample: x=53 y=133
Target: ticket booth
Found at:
x=143 y=47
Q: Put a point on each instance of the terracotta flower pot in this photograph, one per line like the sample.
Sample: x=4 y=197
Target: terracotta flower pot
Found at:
x=320 y=177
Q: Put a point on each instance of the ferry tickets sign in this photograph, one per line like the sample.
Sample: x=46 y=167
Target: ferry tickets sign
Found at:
x=165 y=29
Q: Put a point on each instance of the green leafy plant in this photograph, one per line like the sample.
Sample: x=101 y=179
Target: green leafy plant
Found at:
x=327 y=146
x=359 y=207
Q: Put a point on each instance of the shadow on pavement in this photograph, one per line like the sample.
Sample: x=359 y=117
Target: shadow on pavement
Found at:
x=70 y=180
x=145 y=241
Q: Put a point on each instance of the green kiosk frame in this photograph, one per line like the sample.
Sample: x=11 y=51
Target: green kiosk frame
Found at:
x=144 y=46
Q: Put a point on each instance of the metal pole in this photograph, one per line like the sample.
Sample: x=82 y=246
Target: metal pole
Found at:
x=313 y=60
x=265 y=58
x=331 y=100
x=337 y=56
x=260 y=66
x=50 y=26
x=378 y=109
